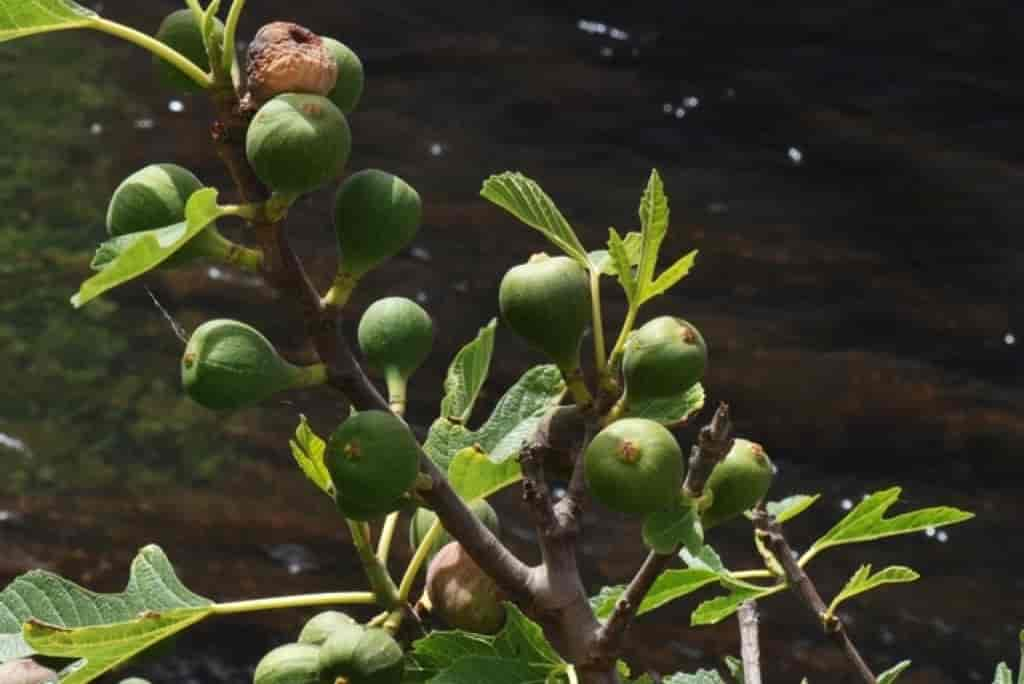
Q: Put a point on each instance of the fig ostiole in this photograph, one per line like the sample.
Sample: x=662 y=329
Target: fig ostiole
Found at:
x=737 y=483
x=228 y=365
x=360 y=655
x=395 y=335
x=373 y=460
x=634 y=466
x=462 y=594
x=297 y=142
x=349 y=86
x=180 y=30
x=284 y=57
x=546 y=301
x=423 y=519
x=663 y=358
x=376 y=215
x=289 y=664
x=319 y=627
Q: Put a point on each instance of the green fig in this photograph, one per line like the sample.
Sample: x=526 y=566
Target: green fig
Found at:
x=228 y=364
x=737 y=483
x=357 y=655
x=349 y=87
x=423 y=519
x=298 y=142
x=376 y=214
x=152 y=198
x=180 y=30
x=373 y=460
x=663 y=358
x=462 y=594
x=395 y=335
x=634 y=466
x=289 y=664
x=322 y=625
x=546 y=301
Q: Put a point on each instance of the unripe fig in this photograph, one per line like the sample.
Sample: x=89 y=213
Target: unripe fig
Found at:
x=373 y=459
x=376 y=214
x=181 y=31
x=287 y=58
x=228 y=364
x=349 y=88
x=634 y=466
x=738 y=482
x=663 y=358
x=546 y=301
x=423 y=519
x=322 y=625
x=356 y=655
x=297 y=142
x=155 y=197
x=462 y=594
x=395 y=335
x=289 y=664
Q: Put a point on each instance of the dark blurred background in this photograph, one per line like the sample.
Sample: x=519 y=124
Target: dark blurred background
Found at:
x=852 y=175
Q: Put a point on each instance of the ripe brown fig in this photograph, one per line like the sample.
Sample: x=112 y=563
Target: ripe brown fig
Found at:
x=462 y=594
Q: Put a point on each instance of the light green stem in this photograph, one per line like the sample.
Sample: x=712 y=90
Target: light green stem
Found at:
x=246 y=258
x=418 y=559
x=197 y=10
x=577 y=387
x=396 y=383
x=600 y=359
x=752 y=574
x=249 y=212
x=302 y=600
x=276 y=208
x=310 y=376
x=230 y=27
x=341 y=290
x=627 y=327
x=161 y=50
x=380 y=581
x=387 y=533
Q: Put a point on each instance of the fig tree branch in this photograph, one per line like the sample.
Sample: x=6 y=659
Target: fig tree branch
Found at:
x=750 y=647
x=770 y=532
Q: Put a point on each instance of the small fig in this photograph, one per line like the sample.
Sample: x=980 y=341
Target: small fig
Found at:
x=228 y=364
x=357 y=655
x=287 y=58
x=373 y=459
x=376 y=214
x=155 y=197
x=462 y=594
x=289 y=664
x=737 y=483
x=322 y=625
x=634 y=466
x=297 y=142
x=395 y=335
x=423 y=519
x=663 y=358
x=180 y=30
x=349 y=88
x=546 y=301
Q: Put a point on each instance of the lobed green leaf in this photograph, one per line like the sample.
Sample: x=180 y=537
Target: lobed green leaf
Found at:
x=670 y=585
x=1003 y=674
x=698 y=677
x=717 y=609
x=863 y=581
x=308 y=449
x=467 y=374
x=890 y=675
x=525 y=200
x=669 y=411
x=653 y=226
x=622 y=265
x=20 y=18
x=601 y=260
x=664 y=531
x=669 y=277
x=473 y=475
x=791 y=506
x=706 y=558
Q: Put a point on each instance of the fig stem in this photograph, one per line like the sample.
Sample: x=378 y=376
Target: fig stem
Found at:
x=311 y=376
x=297 y=601
x=418 y=559
x=577 y=387
x=396 y=390
x=598 y=326
x=341 y=289
x=230 y=26
x=627 y=327
x=380 y=581
x=387 y=533
x=249 y=212
x=158 y=48
x=245 y=258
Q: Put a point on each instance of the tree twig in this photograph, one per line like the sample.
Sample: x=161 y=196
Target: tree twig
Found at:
x=750 y=646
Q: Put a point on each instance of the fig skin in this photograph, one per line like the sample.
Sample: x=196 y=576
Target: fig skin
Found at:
x=737 y=483
x=423 y=519
x=284 y=57
x=373 y=460
x=289 y=664
x=546 y=301
x=155 y=197
x=376 y=214
x=395 y=335
x=181 y=31
x=298 y=142
x=663 y=358
x=634 y=466
x=228 y=364
x=462 y=594
x=319 y=627
x=349 y=87
x=359 y=655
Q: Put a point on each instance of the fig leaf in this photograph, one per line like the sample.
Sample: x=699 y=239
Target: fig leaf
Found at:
x=467 y=374
x=663 y=531
x=19 y=18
